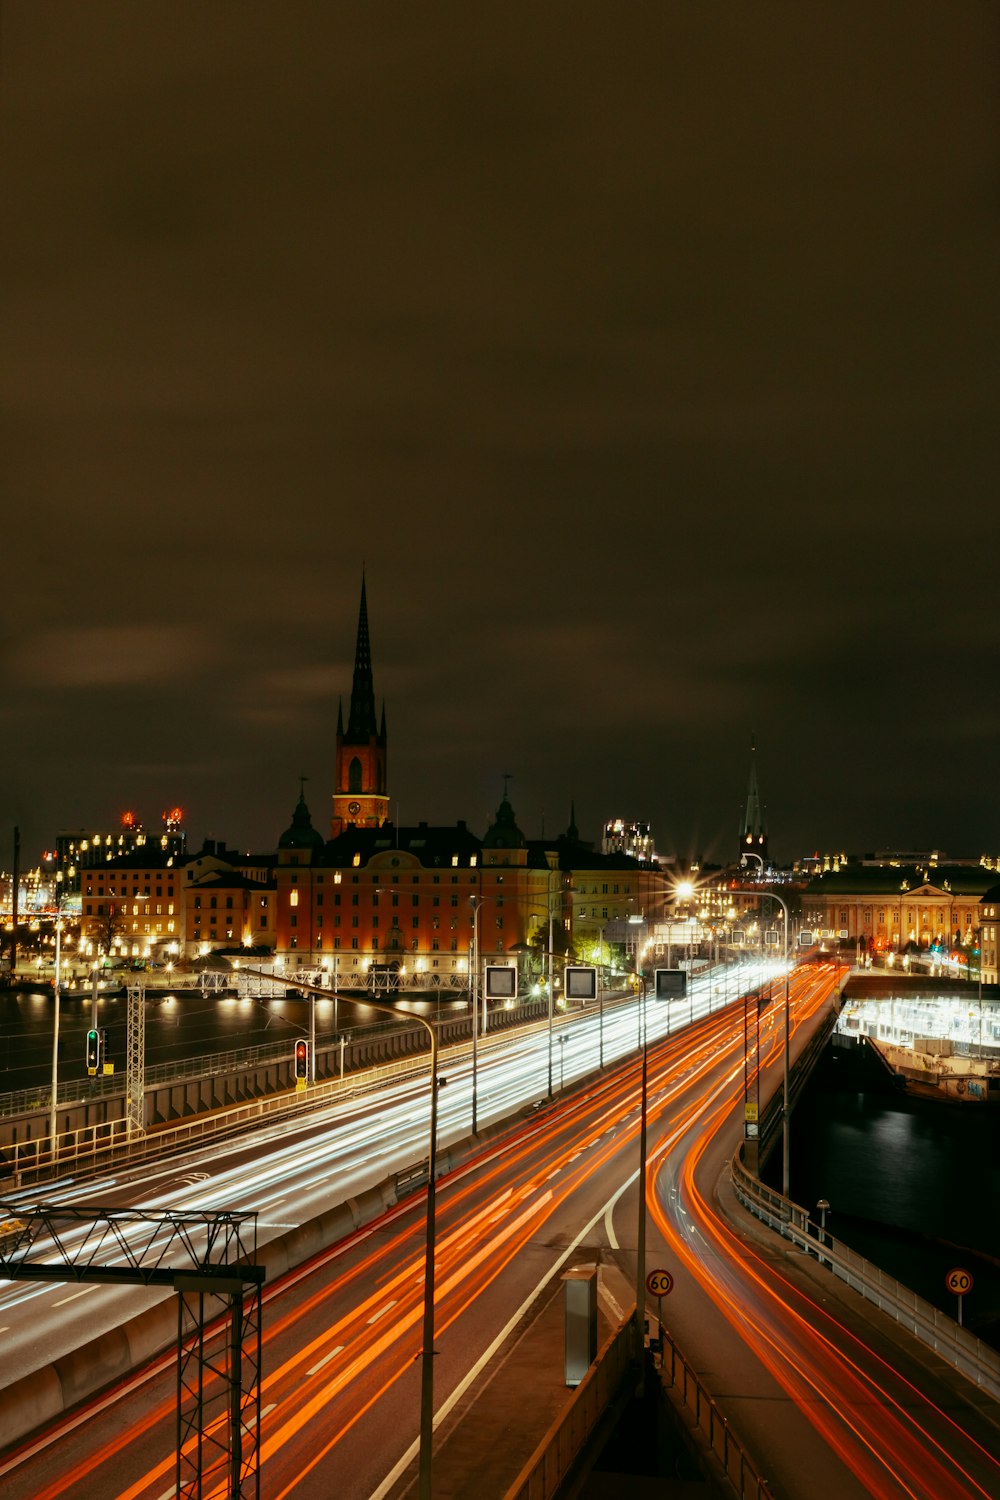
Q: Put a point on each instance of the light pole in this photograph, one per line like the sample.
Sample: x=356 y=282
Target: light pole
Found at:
x=640 y=1238
x=55 y=1033
x=785 y=1110
x=551 y=914
x=476 y=902
x=427 y=1352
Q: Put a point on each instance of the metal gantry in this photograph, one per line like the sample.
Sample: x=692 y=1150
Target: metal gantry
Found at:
x=208 y=1259
x=135 y=1058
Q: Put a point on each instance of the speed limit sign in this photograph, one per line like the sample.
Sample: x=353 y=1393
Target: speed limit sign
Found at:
x=958 y=1281
x=659 y=1283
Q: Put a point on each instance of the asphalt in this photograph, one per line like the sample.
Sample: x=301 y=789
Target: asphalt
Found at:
x=492 y=1435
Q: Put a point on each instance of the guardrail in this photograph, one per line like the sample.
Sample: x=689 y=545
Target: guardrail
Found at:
x=723 y=1443
x=545 y=1471
x=92 y=1146
x=967 y=1354
x=208 y=1065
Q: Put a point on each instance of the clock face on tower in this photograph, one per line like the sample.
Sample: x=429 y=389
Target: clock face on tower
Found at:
x=354 y=807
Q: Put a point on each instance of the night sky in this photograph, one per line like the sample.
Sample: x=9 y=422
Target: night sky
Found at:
x=643 y=355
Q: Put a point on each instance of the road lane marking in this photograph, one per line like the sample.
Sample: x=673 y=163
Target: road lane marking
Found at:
x=386 y=1486
x=325 y=1360
x=73 y=1296
x=381 y=1312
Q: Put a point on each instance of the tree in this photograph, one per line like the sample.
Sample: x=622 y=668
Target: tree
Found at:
x=107 y=927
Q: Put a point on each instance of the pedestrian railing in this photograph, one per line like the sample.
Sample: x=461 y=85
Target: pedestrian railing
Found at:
x=678 y=1377
x=966 y=1353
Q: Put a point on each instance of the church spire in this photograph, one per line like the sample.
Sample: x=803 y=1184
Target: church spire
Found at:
x=753 y=835
x=360 y=794
x=361 y=720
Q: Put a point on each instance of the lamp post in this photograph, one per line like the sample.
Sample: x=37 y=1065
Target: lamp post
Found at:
x=427 y=1352
x=476 y=902
x=640 y=1238
x=55 y=1033
x=785 y=1109
x=551 y=999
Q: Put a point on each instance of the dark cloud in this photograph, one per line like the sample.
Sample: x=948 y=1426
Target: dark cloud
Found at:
x=645 y=357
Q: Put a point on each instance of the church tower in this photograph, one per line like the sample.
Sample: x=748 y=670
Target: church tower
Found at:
x=360 y=793
x=753 y=834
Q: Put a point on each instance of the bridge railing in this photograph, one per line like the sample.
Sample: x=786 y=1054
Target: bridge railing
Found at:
x=966 y=1353
x=680 y=1378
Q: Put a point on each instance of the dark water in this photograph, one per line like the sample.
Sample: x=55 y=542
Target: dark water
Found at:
x=191 y=1025
x=913 y=1184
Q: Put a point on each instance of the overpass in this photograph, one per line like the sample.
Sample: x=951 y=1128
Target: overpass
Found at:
x=704 y=1396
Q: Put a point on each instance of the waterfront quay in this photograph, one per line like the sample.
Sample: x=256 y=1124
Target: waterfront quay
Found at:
x=945 y=1040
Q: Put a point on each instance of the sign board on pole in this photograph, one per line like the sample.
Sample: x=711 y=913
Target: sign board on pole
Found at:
x=659 y=1283
x=671 y=984
x=580 y=982
x=501 y=982
x=958 y=1281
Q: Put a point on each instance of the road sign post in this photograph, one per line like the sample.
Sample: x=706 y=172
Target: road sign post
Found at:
x=959 y=1281
x=659 y=1284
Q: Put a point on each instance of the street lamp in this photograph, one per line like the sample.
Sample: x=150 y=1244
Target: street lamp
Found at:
x=427 y=1352
x=640 y=1239
x=476 y=902
x=785 y=1109
x=55 y=1034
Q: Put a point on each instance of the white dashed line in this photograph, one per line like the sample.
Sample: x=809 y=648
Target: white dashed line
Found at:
x=381 y=1313
x=326 y=1359
x=73 y=1296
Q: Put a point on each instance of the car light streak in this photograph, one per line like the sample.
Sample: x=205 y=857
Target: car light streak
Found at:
x=360 y=1330
x=877 y=1435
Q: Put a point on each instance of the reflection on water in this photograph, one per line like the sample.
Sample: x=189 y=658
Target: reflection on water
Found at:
x=186 y=1025
x=913 y=1184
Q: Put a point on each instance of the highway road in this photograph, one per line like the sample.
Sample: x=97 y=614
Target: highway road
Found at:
x=339 y=1391
x=303 y=1164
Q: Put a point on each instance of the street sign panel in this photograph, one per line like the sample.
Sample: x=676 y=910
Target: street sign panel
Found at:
x=659 y=1283
x=671 y=984
x=580 y=982
x=501 y=982
x=959 y=1281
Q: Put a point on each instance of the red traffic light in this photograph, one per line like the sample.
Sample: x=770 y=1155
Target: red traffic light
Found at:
x=302 y=1059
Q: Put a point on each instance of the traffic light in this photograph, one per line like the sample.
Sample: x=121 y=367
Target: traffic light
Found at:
x=301 y=1061
x=93 y=1051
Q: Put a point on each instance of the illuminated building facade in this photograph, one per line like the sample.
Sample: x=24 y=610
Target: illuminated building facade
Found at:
x=892 y=909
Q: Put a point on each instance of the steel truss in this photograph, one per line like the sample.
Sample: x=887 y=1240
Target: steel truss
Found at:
x=208 y=1260
x=135 y=1059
